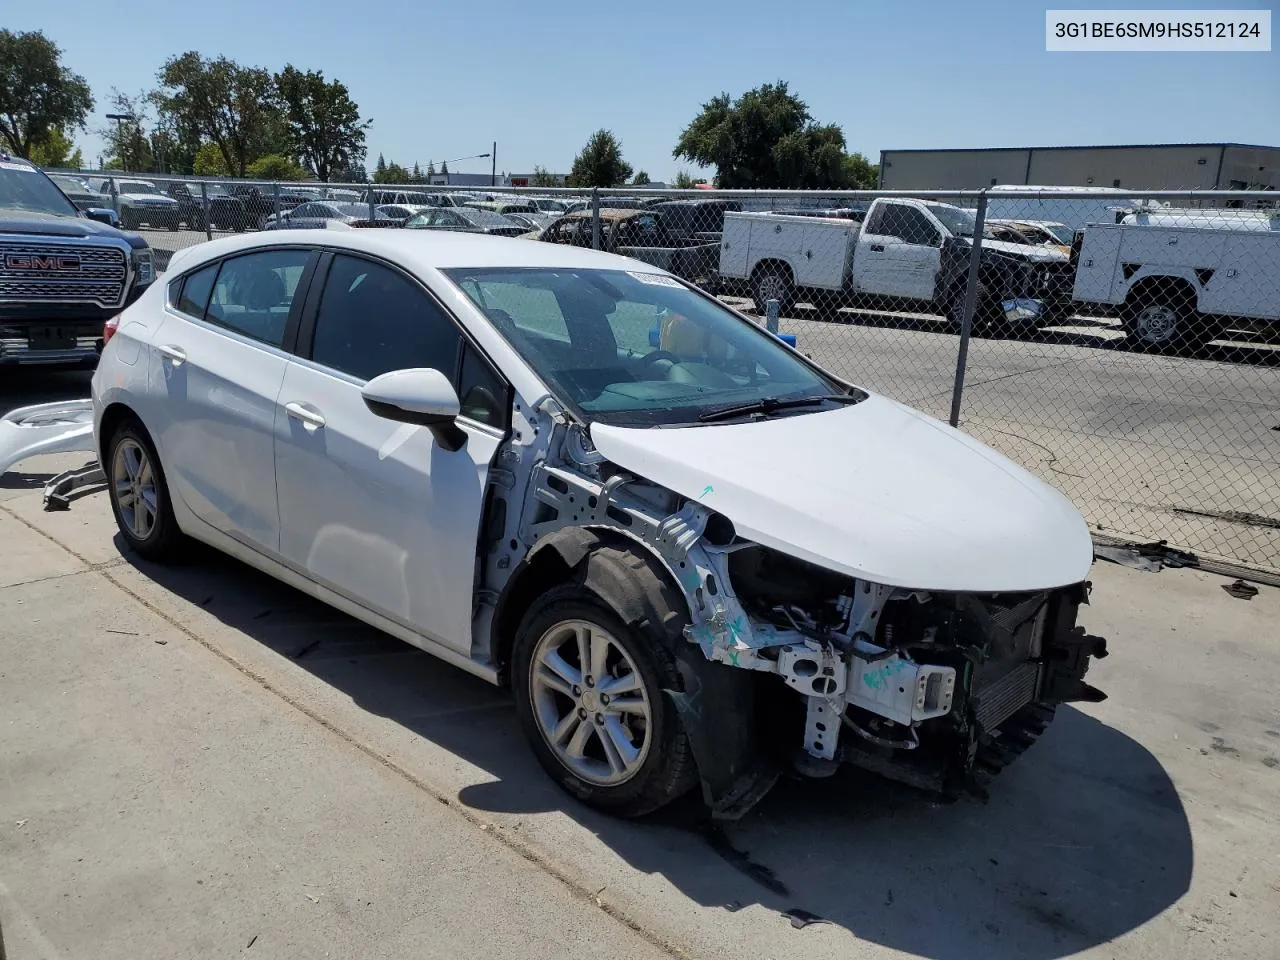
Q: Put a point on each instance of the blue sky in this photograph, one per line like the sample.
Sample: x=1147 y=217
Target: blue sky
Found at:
x=443 y=80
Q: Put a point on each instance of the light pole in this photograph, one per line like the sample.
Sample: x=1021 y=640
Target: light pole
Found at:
x=120 y=118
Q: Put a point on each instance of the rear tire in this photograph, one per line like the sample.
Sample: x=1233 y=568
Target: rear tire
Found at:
x=773 y=282
x=139 y=495
x=1163 y=322
x=647 y=762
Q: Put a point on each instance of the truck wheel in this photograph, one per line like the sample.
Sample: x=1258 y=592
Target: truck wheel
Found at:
x=140 y=496
x=986 y=313
x=128 y=220
x=774 y=282
x=588 y=691
x=260 y=222
x=1163 y=322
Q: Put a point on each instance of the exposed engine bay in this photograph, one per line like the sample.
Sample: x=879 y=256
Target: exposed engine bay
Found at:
x=939 y=690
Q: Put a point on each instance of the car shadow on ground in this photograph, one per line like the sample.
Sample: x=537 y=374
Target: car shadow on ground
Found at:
x=27 y=386
x=1083 y=839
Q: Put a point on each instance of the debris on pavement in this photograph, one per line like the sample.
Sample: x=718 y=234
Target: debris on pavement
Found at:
x=1241 y=590
x=305 y=649
x=801 y=918
x=1147 y=557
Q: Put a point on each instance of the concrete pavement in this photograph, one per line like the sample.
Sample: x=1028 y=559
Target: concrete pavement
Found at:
x=274 y=769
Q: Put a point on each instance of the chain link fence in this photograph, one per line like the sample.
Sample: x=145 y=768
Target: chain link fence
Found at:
x=1125 y=346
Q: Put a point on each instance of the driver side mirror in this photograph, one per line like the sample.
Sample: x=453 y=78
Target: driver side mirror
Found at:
x=102 y=215
x=421 y=396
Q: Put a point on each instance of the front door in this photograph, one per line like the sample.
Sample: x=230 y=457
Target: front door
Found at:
x=899 y=253
x=218 y=364
x=373 y=509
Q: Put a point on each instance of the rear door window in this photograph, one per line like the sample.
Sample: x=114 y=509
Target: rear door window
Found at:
x=194 y=298
x=254 y=292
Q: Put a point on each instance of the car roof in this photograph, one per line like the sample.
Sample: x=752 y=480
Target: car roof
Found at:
x=419 y=250
x=607 y=213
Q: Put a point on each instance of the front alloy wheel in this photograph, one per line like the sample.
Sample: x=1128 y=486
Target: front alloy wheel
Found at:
x=590 y=703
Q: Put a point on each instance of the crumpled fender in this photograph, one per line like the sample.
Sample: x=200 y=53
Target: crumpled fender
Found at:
x=46 y=428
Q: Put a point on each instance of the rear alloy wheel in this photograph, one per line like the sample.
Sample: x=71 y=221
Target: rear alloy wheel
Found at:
x=589 y=697
x=140 y=496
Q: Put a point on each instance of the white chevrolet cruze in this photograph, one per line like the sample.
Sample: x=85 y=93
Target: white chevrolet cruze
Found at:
x=695 y=556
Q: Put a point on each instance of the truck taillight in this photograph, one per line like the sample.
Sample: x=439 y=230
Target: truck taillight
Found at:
x=109 y=329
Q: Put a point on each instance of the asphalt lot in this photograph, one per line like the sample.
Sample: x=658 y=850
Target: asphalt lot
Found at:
x=195 y=757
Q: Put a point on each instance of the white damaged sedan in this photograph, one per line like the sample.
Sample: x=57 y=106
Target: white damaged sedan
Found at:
x=696 y=557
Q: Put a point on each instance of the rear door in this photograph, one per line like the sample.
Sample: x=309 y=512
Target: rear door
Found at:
x=374 y=509
x=220 y=358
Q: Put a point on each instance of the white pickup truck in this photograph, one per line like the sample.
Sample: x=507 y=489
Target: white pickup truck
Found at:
x=913 y=251
x=1179 y=280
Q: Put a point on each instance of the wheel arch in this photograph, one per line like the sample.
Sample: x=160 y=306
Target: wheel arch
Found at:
x=1146 y=285
x=773 y=261
x=115 y=414
x=642 y=592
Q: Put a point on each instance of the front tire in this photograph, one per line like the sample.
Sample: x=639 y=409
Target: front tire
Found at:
x=588 y=691
x=139 y=495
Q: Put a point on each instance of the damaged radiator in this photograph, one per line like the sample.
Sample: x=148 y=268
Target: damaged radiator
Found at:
x=998 y=701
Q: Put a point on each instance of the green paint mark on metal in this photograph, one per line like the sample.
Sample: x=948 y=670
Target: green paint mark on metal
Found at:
x=708 y=489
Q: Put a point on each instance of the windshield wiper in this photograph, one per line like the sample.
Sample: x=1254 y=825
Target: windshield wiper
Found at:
x=767 y=405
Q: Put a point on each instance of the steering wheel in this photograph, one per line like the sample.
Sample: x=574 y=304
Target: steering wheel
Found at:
x=656 y=355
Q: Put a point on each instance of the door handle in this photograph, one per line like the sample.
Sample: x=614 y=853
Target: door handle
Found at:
x=877 y=247
x=176 y=355
x=311 y=419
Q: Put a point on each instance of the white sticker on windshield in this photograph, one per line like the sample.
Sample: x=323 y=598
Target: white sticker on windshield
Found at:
x=6 y=165
x=655 y=279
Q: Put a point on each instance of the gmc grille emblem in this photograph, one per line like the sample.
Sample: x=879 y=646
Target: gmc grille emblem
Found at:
x=33 y=261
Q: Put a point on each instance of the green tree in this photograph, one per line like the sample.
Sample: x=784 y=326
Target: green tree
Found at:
x=209 y=162
x=390 y=173
x=431 y=171
x=325 y=129
x=860 y=173
x=37 y=93
x=56 y=149
x=273 y=166
x=542 y=177
x=600 y=163
x=641 y=179
x=684 y=180
x=127 y=141
x=233 y=107
x=766 y=139
x=416 y=175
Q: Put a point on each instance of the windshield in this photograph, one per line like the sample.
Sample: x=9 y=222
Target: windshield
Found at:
x=636 y=349
x=70 y=185
x=135 y=186
x=1061 y=232
x=958 y=222
x=26 y=188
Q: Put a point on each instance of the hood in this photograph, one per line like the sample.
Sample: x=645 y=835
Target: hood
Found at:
x=155 y=199
x=1026 y=251
x=54 y=225
x=874 y=490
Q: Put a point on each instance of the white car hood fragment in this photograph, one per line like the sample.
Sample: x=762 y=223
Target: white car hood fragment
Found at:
x=874 y=490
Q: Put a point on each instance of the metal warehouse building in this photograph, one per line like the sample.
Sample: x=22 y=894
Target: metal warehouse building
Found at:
x=1167 y=166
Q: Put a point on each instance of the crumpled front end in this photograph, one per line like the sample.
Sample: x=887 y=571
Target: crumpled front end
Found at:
x=938 y=689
